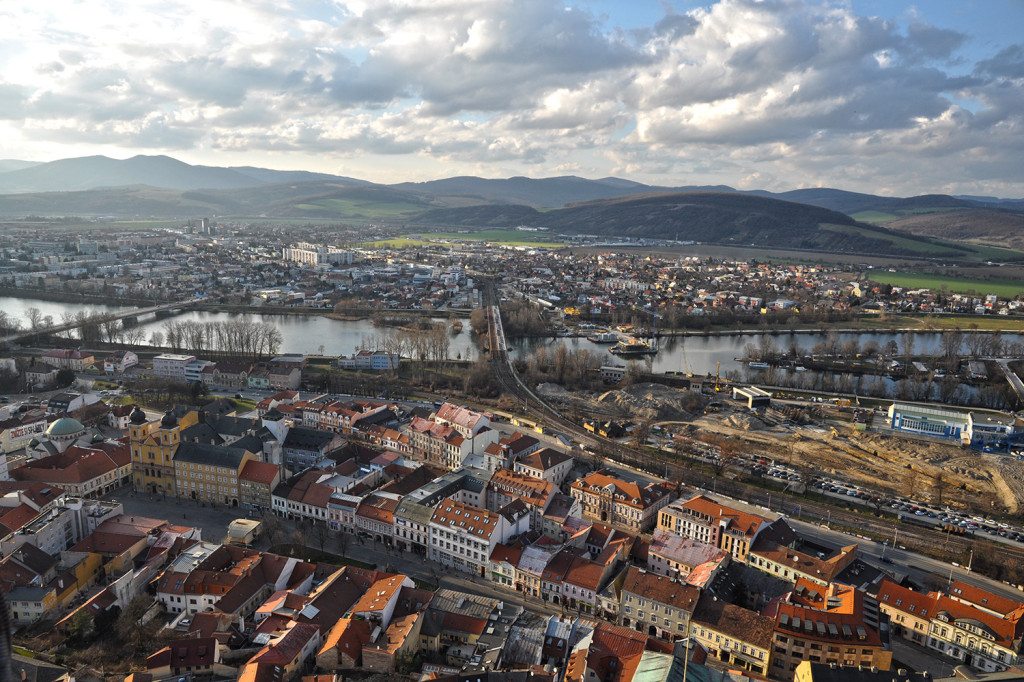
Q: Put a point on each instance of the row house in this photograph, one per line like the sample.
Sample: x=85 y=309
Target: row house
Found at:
x=836 y=625
x=506 y=486
x=375 y=516
x=463 y=537
x=508 y=450
x=782 y=561
x=412 y=525
x=303 y=496
x=80 y=471
x=341 y=512
x=546 y=464
x=210 y=473
x=63 y=358
x=588 y=575
x=703 y=519
x=608 y=499
x=256 y=483
x=736 y=636
x=443 y=445
x=305 y=447
x=969 y=630
x=656 y=605
x=679 y=557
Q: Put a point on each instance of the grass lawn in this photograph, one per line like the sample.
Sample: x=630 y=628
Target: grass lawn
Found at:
x=925 y=322
x=243 y=405
x=914 y=280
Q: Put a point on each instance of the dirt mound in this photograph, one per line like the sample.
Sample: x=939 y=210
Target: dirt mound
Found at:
x=652 y=401
x=745 y=422
x=551 y=390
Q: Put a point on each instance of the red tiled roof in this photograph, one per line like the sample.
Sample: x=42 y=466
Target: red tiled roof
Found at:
x=255 y=471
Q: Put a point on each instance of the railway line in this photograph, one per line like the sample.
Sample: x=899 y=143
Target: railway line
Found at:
x=661 y=464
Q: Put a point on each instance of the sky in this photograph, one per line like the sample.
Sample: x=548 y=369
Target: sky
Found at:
x=880 y=96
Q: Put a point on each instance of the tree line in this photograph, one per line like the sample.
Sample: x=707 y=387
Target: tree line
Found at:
x=229 y=338
x=427 y=342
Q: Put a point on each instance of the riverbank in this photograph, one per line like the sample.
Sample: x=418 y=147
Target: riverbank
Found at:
x=349 y=314
x=53 y=296
x=867 y=325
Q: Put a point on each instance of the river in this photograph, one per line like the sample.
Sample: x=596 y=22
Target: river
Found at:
x=703 y=354
x=307 y=333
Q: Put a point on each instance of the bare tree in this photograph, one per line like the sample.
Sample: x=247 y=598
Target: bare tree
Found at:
x=35 y=318
x=321 y=533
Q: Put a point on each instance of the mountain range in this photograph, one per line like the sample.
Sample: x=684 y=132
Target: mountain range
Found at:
x=161 y=186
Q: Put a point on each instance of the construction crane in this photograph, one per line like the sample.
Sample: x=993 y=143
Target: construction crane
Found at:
x=718 y=376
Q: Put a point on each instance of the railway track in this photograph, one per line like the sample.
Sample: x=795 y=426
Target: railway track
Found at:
x=659 y=463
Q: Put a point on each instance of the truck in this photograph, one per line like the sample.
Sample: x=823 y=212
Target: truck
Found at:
x=243 y=532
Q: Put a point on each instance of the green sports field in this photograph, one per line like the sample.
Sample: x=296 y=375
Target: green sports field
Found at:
x=959 y=285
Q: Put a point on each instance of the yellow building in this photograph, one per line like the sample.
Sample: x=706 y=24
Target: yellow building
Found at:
x=152 y=446
x=210 y=472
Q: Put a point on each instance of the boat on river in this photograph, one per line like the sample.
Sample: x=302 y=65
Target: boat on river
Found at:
x=633 y=347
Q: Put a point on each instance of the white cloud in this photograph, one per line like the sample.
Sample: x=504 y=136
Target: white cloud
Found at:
x=781 y=92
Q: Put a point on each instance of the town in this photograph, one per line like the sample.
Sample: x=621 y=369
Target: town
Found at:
x=191 y=496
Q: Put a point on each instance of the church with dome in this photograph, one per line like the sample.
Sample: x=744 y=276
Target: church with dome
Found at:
x=61 y=434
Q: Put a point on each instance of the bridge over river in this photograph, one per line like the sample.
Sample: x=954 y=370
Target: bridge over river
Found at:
x=130 y=315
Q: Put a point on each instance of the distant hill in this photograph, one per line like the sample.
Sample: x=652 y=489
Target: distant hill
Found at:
x=711 y=217
x=852 y=203
x=539 y=192
x=164 y=172
x=15 y=164
x=314 y=200
x=164 y=187
x=991 y=226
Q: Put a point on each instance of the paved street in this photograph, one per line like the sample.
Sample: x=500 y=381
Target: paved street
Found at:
x=212 y=521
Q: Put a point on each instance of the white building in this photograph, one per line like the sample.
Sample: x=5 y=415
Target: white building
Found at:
x=119 y=361
x=172 y=366
x=463 y=536
x=314 y=254
x=548 y=464
x=375 y=361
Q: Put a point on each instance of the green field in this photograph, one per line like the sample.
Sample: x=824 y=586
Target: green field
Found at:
x=875 y=217
x=358 y=208
x=959 y=285
x=495 y=236
x=924 y=248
